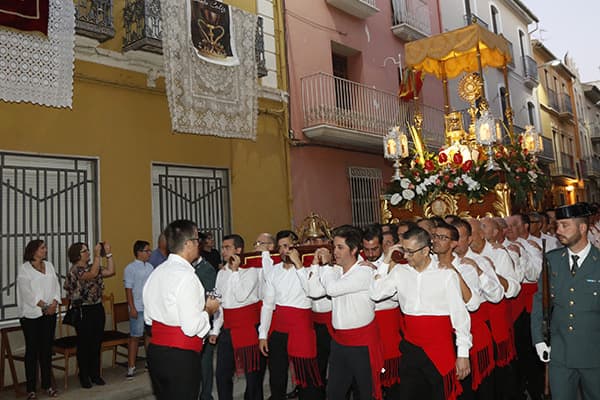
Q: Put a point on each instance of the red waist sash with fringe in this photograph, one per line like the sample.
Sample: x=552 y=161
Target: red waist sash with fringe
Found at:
x=301 y=344
x=482 y=351
x=502 y=332
x=323 y=318
x=173 y=336
x=242 y=322
x=389 y=324
x=528 y=290
x=367 y=335
x=434 y=335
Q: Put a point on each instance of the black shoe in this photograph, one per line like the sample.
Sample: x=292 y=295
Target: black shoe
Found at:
x=293 y=394
x=85 y=383
x=98 y=381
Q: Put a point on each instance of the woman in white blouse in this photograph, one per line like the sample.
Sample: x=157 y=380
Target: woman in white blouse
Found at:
x=38 y=296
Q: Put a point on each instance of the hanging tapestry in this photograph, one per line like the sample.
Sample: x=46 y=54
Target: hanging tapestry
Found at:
x=25 y=15
x=210 y=75
x=39 y=69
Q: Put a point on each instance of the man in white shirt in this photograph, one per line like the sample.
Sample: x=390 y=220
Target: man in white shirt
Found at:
x=286 y=333
x=479 y=384
x=174 y=305
x=239 y=316
x=434 y=309
x=536 y=221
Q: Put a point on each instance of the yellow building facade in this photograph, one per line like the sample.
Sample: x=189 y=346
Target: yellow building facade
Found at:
x=120 y=123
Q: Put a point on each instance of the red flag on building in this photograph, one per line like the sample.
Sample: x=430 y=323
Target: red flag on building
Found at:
x=25 y=15
x=411 y=84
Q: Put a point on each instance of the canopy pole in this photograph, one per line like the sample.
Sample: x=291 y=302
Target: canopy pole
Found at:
x=445 y=85
x=508 y=113
x=479 y=65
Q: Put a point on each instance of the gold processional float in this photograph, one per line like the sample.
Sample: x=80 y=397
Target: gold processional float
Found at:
x=477 y=173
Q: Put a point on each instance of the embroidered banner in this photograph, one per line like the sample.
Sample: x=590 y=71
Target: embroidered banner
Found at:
x=210 y=25
x=25 y=15
x=208 y=95
x=39 y=69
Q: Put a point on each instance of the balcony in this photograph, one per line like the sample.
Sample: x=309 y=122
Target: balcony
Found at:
x=547 y=154
x=94 y=19
x=142 y=22
x=553 y=100
x=566 y=108
x=475 y=20
x=595 y=133
x=592 y=167
x=530 y=72
x=411 y=20
x=566 y=167
x=345 y=113
x=511 y=64
x=359 y=8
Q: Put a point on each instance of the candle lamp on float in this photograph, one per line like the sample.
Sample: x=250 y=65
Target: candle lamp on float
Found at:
x=486 y=135
x=395 y=147
x=532 y=142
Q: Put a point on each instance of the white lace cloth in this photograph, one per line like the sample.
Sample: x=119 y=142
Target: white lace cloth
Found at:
x=206 y=98
x=39 y=69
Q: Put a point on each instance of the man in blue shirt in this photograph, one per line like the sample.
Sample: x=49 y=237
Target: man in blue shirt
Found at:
x=135 y=276
x=160 y=254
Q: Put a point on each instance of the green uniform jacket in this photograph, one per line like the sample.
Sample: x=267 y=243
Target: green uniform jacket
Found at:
x=575 y=315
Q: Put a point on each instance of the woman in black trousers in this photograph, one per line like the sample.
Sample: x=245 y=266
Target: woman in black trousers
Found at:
x=38 y=296
x=84 y=285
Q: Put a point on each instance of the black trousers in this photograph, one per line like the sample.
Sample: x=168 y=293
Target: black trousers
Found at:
x=485 y=390
x=39 y=335
x=278 y=371
x=226 y=370
x=208 y=351
x=419 y=379
x=89 y=341
x=175 y=373
x=529 y=368
x=349 y=365
x=323 y=349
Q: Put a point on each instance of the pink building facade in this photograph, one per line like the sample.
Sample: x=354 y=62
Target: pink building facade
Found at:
x=343 y=62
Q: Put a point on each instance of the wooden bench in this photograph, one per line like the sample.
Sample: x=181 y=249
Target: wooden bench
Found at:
x=10 y=358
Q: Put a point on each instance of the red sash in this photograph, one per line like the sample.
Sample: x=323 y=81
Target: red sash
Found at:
x=482 y=351
x=389 y=325
x=302 y=342
x=366 y=336
x=244 y=338
x=173 y=336
x=434 y=335
x=502 y=332
x=323 y=318
x=528 y=290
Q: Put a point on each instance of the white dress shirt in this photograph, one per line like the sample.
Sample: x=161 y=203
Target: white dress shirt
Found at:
x=33 y=286
x=534 y=257
x=283 y=287
x=351 y=305
x=491 y=288
x=434 y=291
x=174 y=296
x=310 y=279
x=551 y=242
x=238 y=289
x=382 y=270
x=504 y=267
x=582 y=256
x=469 y=275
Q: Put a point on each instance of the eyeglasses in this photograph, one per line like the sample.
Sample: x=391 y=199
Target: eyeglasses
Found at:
x=84 y=250
x=262 y=243
x=195 y=239
x=435 y=236
x=412 y=252
x=147 y=251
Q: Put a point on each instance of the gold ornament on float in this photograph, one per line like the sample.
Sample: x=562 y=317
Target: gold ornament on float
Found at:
x=470 y=87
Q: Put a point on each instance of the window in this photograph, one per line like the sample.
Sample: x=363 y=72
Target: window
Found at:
x=531 y=113
x=365 y=189
x=50 y=198
x=495 y=21
x=195 y=193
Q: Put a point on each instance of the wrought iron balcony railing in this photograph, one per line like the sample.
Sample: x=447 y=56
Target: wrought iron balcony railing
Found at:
x=142 y=23
x=411 y=20
x=547 y=153
x=566 y=106
x=475 y=19
x=259 y=48
x=530 y=69
x=359 y=8
x=566 y=167
x=553 y=99
x=94 y=19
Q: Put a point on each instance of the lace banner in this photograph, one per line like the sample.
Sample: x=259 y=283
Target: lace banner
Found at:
x=39 y=69
x=28 y=15
x=208 y=98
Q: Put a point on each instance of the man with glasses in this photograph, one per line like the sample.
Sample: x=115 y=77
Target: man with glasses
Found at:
x=479 y=384
x=286 y=333
x=239 y=317
x=536 y=222
x=175 y=306
x=434 y=310
x=135 y=276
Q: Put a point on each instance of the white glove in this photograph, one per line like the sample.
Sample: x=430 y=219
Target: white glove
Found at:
x=543 y=351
